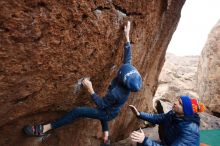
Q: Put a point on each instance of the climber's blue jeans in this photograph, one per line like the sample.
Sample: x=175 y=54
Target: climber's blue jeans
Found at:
x=86 y=112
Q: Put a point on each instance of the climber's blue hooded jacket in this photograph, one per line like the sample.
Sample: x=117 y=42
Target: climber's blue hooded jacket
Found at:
x=119 y=89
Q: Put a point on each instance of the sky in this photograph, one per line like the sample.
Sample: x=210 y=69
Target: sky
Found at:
x=198 y=17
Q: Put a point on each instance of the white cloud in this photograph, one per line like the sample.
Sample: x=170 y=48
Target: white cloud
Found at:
x=198 y=17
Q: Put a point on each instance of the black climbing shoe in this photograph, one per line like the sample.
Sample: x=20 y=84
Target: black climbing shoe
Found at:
x=34 y=130
x=107 y=143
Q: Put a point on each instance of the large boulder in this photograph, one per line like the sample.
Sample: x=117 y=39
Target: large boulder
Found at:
x=47 y=46
x=208 y=81
x=178 y=77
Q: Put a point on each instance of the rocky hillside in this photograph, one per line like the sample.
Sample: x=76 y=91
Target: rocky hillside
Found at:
x=47 y=46
x=209 y=72
x=177 y=77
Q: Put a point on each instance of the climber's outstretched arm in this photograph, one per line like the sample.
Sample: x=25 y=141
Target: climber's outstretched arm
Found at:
x=127 y=46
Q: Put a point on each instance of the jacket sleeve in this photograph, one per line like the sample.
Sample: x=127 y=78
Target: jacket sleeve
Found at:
x=102 y=102
x=152 y=118
x=149 y=142
x=127 y=53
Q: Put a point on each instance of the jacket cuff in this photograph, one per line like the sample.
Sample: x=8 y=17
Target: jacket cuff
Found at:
x=127 y=44
x=145 y=139
x=141 y=114
x=93 y=95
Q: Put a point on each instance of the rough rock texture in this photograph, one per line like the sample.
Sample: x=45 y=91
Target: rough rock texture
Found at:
x=178 y=76
x=208 y=72
x=46 y=46
x=209 y=121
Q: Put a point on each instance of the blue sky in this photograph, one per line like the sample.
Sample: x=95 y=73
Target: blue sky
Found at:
x=198 y=17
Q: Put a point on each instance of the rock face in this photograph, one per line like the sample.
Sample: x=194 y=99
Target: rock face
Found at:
x=178 y=77
x=47 y=46
x=208 y=72
x=209 y=121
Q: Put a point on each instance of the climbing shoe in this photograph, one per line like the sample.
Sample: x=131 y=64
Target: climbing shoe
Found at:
x=34 y=130
x=106 y=143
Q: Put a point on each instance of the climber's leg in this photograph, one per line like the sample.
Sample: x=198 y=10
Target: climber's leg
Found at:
x=77 y=113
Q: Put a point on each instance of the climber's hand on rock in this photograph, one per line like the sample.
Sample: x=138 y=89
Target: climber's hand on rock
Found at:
x=134 y=110
x=88 y=85
x=127 y=31
x=137 y=136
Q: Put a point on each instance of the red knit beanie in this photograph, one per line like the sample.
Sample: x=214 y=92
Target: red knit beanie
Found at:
x=197 y=106
x=191 y=105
